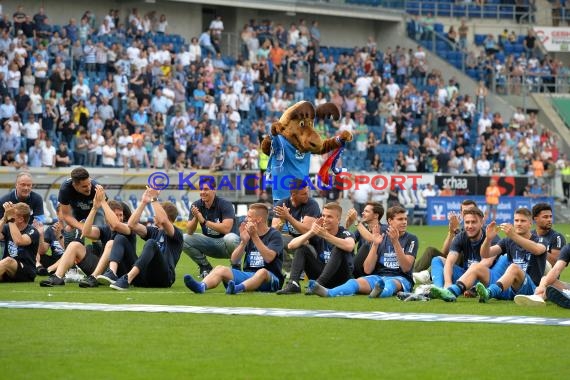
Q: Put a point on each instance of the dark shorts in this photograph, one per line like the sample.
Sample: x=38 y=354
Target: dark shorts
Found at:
x=24 y=273
x=48 y=260
x=91 y=259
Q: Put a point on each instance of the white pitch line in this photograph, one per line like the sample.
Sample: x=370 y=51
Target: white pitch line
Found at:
x=275 y=312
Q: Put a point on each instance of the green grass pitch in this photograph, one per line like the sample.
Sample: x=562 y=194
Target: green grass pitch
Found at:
x=129 y=345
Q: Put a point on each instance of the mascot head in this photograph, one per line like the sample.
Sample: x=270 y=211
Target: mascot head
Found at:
x=297 y=126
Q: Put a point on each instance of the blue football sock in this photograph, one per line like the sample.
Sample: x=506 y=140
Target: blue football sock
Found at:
x=193 y=285
x=494 y=290
x=389 y=289
x=347 y=289
x=456 y=290
x=239 y=288
x=437 y=265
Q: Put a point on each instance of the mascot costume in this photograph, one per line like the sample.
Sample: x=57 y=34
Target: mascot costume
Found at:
x=293 y=139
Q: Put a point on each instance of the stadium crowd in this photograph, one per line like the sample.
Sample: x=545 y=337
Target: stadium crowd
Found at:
x=505 y=61
x=147 y=105
x=123 y=92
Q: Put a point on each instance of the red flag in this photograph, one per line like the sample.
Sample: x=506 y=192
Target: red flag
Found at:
x=329 y=163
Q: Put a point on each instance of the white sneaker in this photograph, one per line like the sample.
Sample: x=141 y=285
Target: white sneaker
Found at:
x=423 y=289
x=423 y=277
x=533 y=300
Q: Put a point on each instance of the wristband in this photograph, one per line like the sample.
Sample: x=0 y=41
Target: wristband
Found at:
x=153 y=200
x=11 y=220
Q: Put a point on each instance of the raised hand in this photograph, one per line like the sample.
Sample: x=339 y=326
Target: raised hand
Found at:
x=377 y=237
x=243 y=234
x=318 y=227
x=146 y=197
x=491 y=230
x=393 y=233
x=99 y=196
x=38 y=226
x=453 y=222
x=282 y=212
x=251 y=228
x=154 y=193
x=8 y=210
x=351 y=216
x=197 y=214
x=508 y=229
x=57 y=227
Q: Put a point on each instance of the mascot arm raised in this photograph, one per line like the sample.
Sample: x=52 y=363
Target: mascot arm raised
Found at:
x=296 y=125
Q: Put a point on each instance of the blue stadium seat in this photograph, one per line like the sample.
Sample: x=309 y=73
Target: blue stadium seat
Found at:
x=459 y=10
x=444 y=10
x=413 y=7
x=53 y=200
x=518 y=48
x=506 y=12
x=500 y=56
x=479 y=38
x=473 y=10
x=491 y=11
x=442 y=45
x=472 y=73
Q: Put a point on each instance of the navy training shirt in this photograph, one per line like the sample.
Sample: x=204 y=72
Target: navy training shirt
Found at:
x=311 y=208
x=471 y=250
x=80 y=203
x=171 y=247
x=532 y=264
x=253 y=260
x=387 y=264
x=34 y=200
x=24 y=254
x=221 y=209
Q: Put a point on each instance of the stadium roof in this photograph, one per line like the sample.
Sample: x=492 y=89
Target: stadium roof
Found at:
x=292 y=7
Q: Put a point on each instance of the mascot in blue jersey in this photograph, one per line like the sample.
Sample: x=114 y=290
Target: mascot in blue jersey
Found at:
x=293 y=139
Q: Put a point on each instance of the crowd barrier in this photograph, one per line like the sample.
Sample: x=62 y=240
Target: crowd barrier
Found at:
x=438 y=208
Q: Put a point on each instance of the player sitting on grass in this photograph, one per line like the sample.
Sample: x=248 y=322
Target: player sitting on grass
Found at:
x=324 y=252
x=371 y=216
x=87 y=258
x=550 y=287
x=528 y=258
x=294 y=216
x=124 y=240
x=155 y=267
x=554 y=241
x=388 y=265
x=262 y=250
x=465 y=247
x=51 y=239
x=517 y=245
x=21 y=242
x=421 y=267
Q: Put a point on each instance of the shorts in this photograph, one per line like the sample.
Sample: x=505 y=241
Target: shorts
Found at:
x=491 y=208
x=271 y=286
x=373 y=279
x=91 y=259
x=48 y=260
x=498 y=269
x=24 y=273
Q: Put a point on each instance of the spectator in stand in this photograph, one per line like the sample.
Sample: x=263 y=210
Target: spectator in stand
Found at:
x=446 y=191
x=62 y=158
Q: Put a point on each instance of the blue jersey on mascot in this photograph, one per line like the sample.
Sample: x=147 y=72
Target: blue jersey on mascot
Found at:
x=293 y=139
